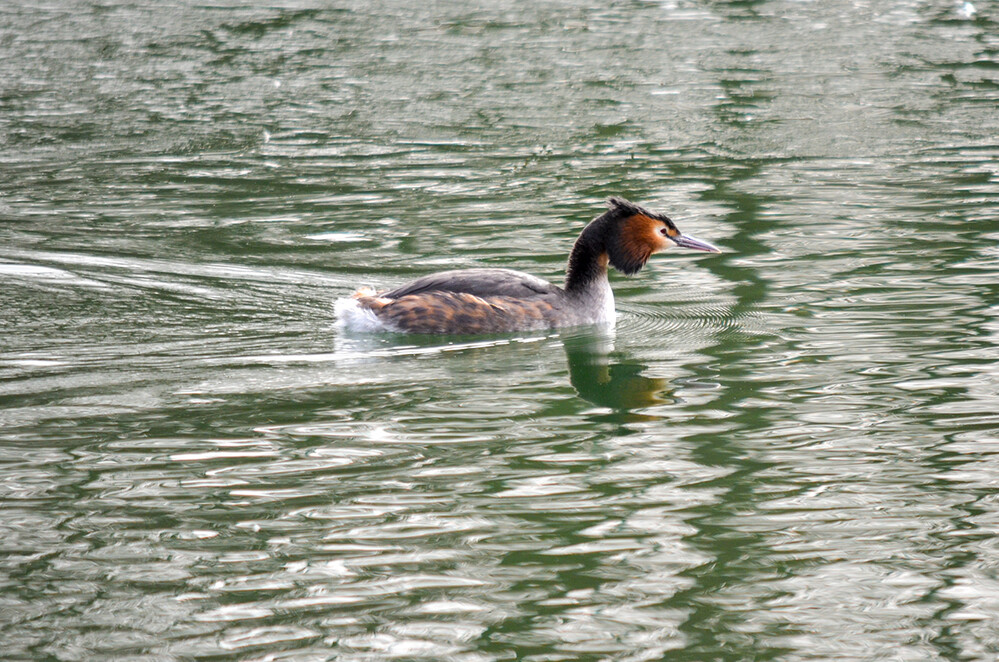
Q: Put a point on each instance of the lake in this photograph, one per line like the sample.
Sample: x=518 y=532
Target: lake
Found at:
x=787 y=451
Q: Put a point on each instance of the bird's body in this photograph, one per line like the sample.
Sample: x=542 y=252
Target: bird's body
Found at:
x=470 y=301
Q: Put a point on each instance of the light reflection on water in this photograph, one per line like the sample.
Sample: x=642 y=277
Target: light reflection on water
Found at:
x=787 y=451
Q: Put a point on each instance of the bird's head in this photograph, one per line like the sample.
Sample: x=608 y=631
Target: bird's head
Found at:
x=634 y=233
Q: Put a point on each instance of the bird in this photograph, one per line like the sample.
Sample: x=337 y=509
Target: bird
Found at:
x=492 y=301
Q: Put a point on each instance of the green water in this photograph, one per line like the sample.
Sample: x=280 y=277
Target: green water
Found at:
x=789 y=451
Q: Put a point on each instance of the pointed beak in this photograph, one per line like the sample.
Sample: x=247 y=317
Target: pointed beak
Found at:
x=686 y=241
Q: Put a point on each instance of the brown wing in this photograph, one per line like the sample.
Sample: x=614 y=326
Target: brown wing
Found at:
x=461 y=312
x=480 y=282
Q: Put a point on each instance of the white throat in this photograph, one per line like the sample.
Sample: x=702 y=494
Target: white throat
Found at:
x=607 y=314
x=596 y=303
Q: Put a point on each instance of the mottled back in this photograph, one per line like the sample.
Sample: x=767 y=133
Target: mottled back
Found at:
x=461 y=312
x=468 y=301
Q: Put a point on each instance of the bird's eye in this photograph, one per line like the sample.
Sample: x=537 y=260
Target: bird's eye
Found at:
x=664 y=232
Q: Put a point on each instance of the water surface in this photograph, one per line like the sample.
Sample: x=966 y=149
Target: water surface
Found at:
x=784 y=452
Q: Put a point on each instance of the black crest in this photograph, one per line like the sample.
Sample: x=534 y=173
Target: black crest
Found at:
x=626 y=208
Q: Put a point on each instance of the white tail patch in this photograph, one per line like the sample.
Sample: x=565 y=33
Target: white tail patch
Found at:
x=352 y=316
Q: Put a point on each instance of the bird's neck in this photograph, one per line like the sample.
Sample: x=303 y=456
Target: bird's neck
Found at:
x=588 y=261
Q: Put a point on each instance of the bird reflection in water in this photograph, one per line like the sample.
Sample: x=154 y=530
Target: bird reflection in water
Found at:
x=601 y=376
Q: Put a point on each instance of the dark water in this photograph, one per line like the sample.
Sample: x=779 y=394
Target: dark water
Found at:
x=788 y=451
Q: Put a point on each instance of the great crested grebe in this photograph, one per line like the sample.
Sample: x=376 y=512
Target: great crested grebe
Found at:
x=469 y=301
